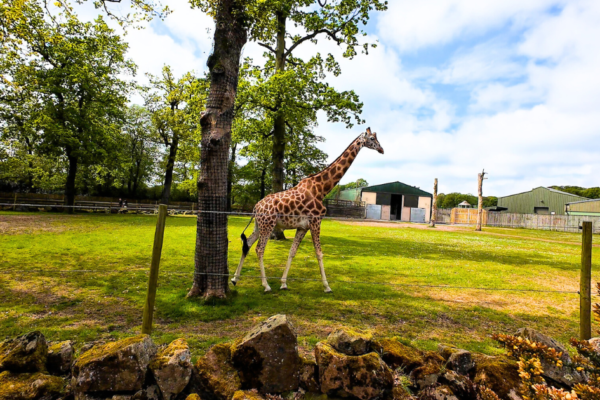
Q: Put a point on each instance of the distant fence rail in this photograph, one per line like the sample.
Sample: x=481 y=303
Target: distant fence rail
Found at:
x=28 y=201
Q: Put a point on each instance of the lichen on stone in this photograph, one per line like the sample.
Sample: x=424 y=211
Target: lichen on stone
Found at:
x=107 y=349
x=498 y=373
x=29 y=386
x=247 y=395
x=26 y=353
x=216 y=372
x=399 y=355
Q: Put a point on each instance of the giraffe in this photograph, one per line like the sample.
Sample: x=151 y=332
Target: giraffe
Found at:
x=300 y=208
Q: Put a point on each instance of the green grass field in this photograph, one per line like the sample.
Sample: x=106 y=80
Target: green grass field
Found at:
x=37 y=291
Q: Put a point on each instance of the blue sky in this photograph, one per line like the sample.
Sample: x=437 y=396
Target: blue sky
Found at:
x=454 y=86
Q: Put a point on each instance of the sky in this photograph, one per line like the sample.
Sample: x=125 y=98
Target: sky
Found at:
x=453 y=87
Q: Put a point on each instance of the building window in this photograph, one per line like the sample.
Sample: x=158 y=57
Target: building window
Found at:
x=411 y=201
x=541 y=210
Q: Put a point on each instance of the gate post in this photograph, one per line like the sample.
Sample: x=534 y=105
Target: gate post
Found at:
x=585 y=288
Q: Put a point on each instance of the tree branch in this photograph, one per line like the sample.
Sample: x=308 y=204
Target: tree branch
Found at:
x=329 y=33
x=266 y=46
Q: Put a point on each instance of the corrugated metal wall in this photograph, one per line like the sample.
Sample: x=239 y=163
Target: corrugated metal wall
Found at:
x=588 y=206
x=525 y=203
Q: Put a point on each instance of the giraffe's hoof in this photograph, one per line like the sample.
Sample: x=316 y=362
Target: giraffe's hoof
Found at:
x=328 y=290
x=284 y=287
x=267 y=289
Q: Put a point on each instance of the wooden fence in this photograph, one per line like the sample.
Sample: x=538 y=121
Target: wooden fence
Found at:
x=564 y=223
x=466 y=216
x=345 y=208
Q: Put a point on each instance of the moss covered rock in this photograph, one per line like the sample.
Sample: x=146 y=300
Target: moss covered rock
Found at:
x=458 y=360
x=438 y=393
x=119 y=366
x=30 y=386
x=309 y=375
x=350 y=342
x=172 y=368
x=428 y=374
x=267 y=357
x=398 y=355
x=216 y=374
x=26 y=353
x=364 y=377
x=193 y=396
x=247 y=395
x=499 y=374
x=60 y=357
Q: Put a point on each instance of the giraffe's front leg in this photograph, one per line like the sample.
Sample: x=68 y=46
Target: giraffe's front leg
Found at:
x=238 y=271
x=315 y=231
x=297 y=240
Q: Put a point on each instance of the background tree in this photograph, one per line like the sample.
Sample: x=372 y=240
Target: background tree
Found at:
x=72 y=71
x=167 y=100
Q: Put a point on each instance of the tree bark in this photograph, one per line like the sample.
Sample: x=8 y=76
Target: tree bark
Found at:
x=70 y=186
x=479 y=200
x=434 y=205
x=230 y=176
x=169 y=171
x=279 y=141
x=263 y=175
x=211 y=272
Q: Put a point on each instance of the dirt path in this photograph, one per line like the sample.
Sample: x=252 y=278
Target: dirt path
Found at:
x=454 y=228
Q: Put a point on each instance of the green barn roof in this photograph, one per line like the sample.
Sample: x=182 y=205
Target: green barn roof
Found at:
x=396 y=188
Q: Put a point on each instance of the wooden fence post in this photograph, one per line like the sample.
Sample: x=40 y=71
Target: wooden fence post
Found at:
x=480 y=178
x=585 y=288
x=434 y=205
x=153 y=278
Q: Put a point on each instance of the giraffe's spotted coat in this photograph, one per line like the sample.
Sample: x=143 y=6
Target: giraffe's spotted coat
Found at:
x=301 y=208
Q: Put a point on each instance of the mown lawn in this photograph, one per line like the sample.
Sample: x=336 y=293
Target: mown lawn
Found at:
x=37 y=291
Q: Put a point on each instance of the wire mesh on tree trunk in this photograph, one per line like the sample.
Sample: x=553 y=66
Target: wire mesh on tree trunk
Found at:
x=211 y=270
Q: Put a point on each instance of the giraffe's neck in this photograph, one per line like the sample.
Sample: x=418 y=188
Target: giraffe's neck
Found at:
x=324 y=181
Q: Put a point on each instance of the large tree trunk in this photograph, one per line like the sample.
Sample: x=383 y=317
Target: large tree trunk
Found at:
x=263 y=176
x=70 y=187
x=230 y=176
x=169 y=172
x=279 y=122
x=211 y=272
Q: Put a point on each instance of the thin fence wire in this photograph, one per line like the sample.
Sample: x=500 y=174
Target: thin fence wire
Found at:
x=340 y=282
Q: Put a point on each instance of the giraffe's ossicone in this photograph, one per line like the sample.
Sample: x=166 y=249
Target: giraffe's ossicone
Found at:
x=301 y=208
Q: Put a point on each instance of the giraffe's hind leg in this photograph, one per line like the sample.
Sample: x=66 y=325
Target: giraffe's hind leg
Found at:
x=297 y=240
x=315 y=231
x=264 y=234
x=238 y=271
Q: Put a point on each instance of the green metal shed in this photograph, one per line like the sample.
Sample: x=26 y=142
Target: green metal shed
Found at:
x=585 y=207
x=540 y=200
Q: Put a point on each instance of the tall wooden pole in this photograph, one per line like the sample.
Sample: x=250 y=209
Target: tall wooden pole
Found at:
x=585 y=286
x=153 y=278
x=480 y=178
x=434 y=205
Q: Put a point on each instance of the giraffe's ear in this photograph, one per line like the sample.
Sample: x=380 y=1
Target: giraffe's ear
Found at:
x=369 y=130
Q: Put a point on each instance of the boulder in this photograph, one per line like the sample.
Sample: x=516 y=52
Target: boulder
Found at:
x=150 y=393
x=267 y=357
x=498 y=373
x=30 y=386
x=428 y=374
x=309 y=375
x=565 y=376
x=26 y=353
x=172 y=368
x=364 y=377
x=438 y=393
x=247 y=395
x=119 y=366
x=460 y=385
x=398 y=355
x=60 y=357
x=401 y=393
x=595 y=342
x=350 y=342
x=458 y=360
x=216 y=374
x=193 y=396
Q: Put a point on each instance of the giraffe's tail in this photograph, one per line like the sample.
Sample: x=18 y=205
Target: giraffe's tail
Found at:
x=245 y=247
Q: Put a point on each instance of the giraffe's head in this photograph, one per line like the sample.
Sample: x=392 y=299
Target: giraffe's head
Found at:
x=369 y=139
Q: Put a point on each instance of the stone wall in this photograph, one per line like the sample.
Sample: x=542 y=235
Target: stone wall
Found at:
x=264 y=364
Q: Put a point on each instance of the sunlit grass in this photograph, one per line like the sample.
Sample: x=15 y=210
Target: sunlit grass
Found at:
x=37 y=291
